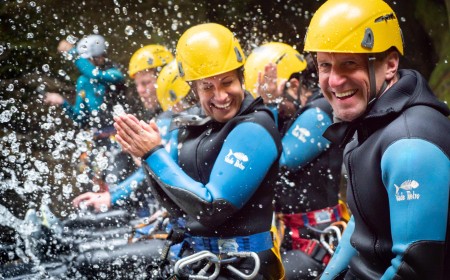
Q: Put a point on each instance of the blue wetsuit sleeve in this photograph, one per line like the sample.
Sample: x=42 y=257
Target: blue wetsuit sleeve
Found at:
x=304 y=141
x=344 y=252
x=163 y=126
x=237 y=173
x=416 y=174
x=79 y=109
x=124 y=188
x=172 y=145
x=89 y=70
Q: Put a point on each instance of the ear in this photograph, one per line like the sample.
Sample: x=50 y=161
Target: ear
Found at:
x=392 y=61
x=294 y=84
x=293 y=88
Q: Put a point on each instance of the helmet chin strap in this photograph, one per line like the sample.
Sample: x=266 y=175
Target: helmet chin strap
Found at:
x=373 y=95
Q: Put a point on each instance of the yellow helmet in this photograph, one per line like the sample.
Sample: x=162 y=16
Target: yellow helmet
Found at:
x=206 y=50
x=287 y=59
x=147 y=57
x=354 y=26
x=171 y=88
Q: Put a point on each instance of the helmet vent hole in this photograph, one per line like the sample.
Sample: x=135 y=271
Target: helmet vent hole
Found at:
x=368 y=39
x=180 y=69
x=238 y=54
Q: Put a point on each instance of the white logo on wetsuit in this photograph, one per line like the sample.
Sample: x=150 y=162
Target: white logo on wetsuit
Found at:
x=301 y=133
x=406 y=191
x=236 y=159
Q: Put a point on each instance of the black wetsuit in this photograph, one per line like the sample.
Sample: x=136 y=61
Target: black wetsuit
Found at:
x=398 y=187
x=223 y=188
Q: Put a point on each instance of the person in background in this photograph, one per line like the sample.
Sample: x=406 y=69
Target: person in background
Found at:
x=173 y=96
x=395 y=132
x=99 y=88
x=307 y=192
x=144 y=67
x=221 y=182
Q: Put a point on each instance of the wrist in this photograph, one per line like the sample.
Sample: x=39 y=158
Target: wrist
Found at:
x=149 y=153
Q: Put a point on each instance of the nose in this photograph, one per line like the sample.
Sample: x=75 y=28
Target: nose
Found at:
x=220 y=95
x=336 y=78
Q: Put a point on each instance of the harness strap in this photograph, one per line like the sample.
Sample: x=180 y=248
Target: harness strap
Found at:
x=313 y=218
x=295 y=222
x=252 y=243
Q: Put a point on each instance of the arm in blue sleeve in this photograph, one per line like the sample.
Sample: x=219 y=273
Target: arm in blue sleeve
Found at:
x=79 y=109
x=237 y=173
x=172 y=145
x=124 y=188
x=341 y=257
x=304 y=141
x=89 y=70
x=416 y=174
x=163 y=127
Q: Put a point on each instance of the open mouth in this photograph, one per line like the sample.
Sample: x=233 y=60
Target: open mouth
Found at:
x=225 y=106
x=345 y=94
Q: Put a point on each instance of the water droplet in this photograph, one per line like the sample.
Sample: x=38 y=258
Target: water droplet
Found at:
x=45 y=67
x=129 y=30
x=103 y=208
x=71 y=39
x=5 y=116
x=111 y=179
x=2 y=49
x=83 y=178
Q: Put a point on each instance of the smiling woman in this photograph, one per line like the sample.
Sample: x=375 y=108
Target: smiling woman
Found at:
x=221 y=180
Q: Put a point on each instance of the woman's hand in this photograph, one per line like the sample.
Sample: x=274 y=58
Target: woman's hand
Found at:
x=64 y=46
x=53 y=98
x=136 y=137
x=99 y=201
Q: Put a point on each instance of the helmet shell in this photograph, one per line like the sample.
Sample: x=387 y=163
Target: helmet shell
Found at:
x=91 y=46
x=207 y=50
x=287 y=59
x=148 y=57
x=171 y=88
x=354 y=26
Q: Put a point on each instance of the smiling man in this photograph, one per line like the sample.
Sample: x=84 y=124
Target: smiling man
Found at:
x=395 y=134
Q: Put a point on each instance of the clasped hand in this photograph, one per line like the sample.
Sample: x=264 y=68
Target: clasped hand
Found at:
x=136 y=136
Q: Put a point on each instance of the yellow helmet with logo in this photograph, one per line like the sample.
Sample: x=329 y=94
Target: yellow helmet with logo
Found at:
x=148 y=57
x=171 y=88
x=287 y=59
x=206 y=50
x=354 y=26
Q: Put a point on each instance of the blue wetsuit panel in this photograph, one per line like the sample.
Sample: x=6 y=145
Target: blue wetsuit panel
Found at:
x=416 y=174
x=304 y=141
x=238 y=171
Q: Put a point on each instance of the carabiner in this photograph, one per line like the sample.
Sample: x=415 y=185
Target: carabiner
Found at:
x=212 y=259
x=245 y=255
x=329 y=231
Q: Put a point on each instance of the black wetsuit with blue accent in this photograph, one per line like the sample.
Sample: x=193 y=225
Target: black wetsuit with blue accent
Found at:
x=310 y=166
x=222 y=183
x=398 y=187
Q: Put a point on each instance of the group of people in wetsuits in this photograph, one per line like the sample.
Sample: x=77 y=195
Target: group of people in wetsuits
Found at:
x=248 y=152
